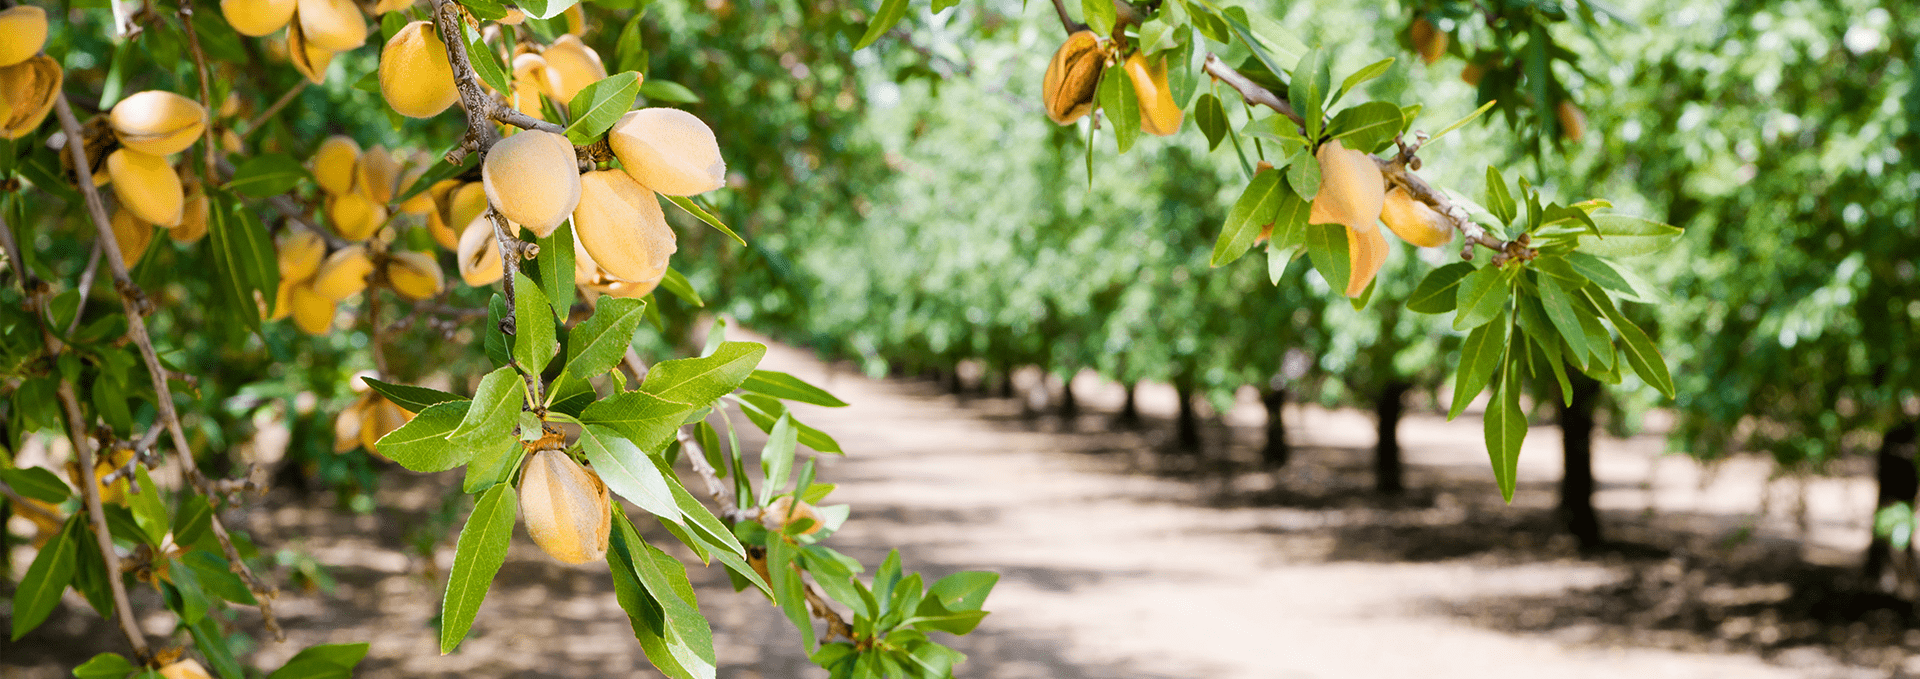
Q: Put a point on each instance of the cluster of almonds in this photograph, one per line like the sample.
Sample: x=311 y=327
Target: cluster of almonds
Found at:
x=149 y=127
x=29 y=80
x=1353 y=193
x=316 y=29
x=1073 y=79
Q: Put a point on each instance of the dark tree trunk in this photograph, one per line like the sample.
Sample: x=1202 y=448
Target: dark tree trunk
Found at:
x=1069 y=406
x=1187 y=425
x=1277 y=451
x=1576 y=443
x=1388 y=473
x=1894 y=469
x=1006 y=381
x=1129 y=409
x=954 y=385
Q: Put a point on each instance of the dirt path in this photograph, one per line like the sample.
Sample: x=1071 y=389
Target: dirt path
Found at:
x=1115 y=566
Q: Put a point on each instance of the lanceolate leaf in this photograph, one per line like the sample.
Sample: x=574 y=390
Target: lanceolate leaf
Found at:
x=1478 y=357
x=1211 y=118
x=421 y=444
x=598 y=106
x=686 y=636
x=1624 y=236
x=477 y=556
x=601 y=341
x=556 y=262
x=1560 y=311
x=414 y=399
x=325 y=661
x=784 y=386
x=889 y=14
x=533 y=341
x=645 y=419
x=1327 y=247
x=1639 y=349
x=1290 y=220
x=700 y=381
x=1506 y=427
x=627 y=471
x=764 y=411
x=693 y=208
x=787 y=589
x=1367 y=127
x=1257 y=207
x=39 y=591
x=1122 y=109
x=1438 y=293
x=1482 y=295
x=496 y=407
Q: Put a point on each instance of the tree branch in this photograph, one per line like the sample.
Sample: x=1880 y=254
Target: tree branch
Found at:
x=20 y=273
x=1067 y=22
x=1395 y=169
x=482 y=110
x=206 y=79
x=90 y=496
x=260 y=121
x=134 y=303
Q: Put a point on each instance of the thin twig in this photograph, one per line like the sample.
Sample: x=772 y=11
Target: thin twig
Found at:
x=20 y=273
x=134 y=302
x=1067 y=22
x=86 y=286
x=90 y=495
x=482 y=110
x=22 y=504
x=260 y=121
x=206 y=81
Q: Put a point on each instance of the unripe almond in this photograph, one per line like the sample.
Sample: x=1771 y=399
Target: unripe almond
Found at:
x=157 y=122
x=1413 y=221
x=533 y=179
x=1573 y=122
x=571 y=67
x=576 y=19
x=619 y=222
x=193 y=217
x=668 y=151
x=1352 y=193
x=147 y=186
x=334 y=164
x=566 y=508
x=23 y=31
x=515 y=16
x=529 y=81
x=332 y=25
x=465 y=203
x=347 y=424
x=634 y=289
x=785 y=510
x=185 y=669
x=1428 y=40
x=355 y=217
x=343 y=274
x=1158 y=113
x=479 y=254
x=282 y=307
x=309 y=59
x=414 y=75
x=132 y=234
x=257 y=18
x=415 y=275
x=375 y=174
x=300 y=252
x=385 y=6
x=312 y=311
x=1073 y=77
x=28 y=89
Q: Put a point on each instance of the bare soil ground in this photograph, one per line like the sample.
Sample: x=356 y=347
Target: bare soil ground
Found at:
x=1123 y=559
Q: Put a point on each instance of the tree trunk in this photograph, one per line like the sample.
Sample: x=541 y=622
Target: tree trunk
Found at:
x=1277 y=451
x=1129 y=409
x=1187 y=425
x=1576 y=443
x=1006 y=381
x=1388 y=472
x=1069 y=406
x=1899 y=481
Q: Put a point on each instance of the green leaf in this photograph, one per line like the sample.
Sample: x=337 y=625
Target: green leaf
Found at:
x=1499 y=201
x=1479 y=356
x=39 y=590
x=693 y=208
x=104 y=666
x=788 y=589
x=267 y=175
x=213 y=644
x=1482 y=295
x=1303 y=174
x=1366 y=73
x=544 y=9
x=599 y=343
x=243 y=256
x=555 y=263
x=700 y=381
x=492 y=464
x=422 y=445
x=1457 y=124
x=764 y=411
x=1256 y=208
x=477 y=557
x=1211 y=118
x=486 y=64
x=1307 y=90
x=1506 y=427
x=668 y=91
x=1327 y=248
x=1289 y=222
x=495 y=408
x=485 y=10
x=889 y=14
x=1438 y=292
x=324 y=661
x=776 y=459
x=216 y=577
x=677 y=284
x=1640 y=350
x=784 y=386
x=644 y=613
x=1116 y=97
x=643 y=418
x=148 y=510
x=1559 y=309
x=1099 y=15
x=668 y=625
x=37 y=483
x=1368 y=127
x=533 y=340
x=414 y=399
x=627 y=471
x=701 y=520
x=597 y=107
x=1624 y=236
